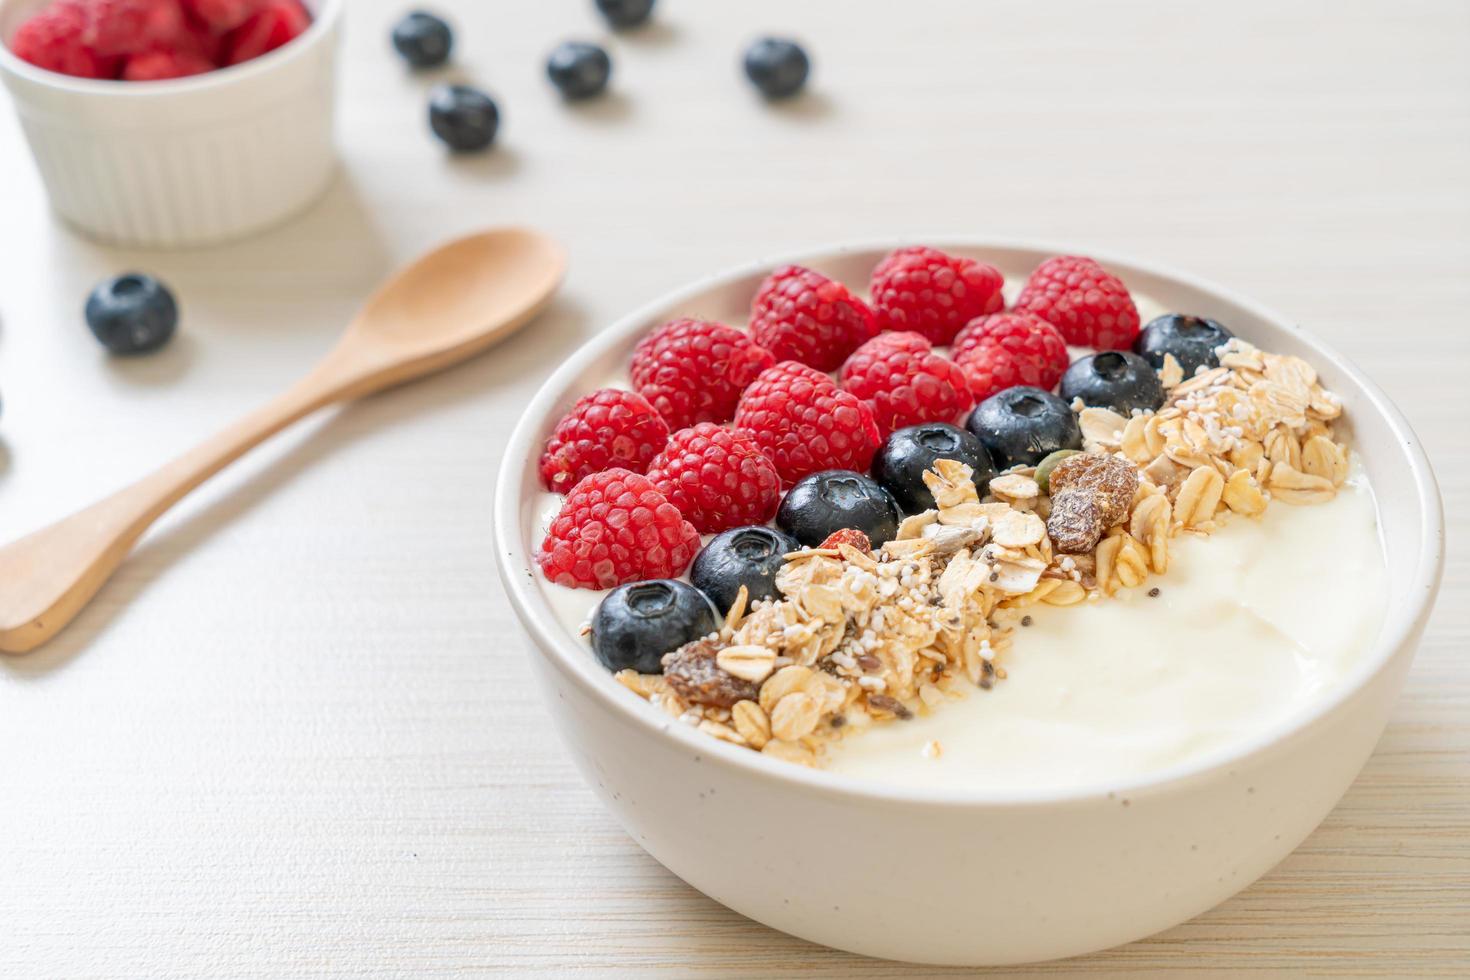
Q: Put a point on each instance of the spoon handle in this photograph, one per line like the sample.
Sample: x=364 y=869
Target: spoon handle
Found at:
x=51 y=574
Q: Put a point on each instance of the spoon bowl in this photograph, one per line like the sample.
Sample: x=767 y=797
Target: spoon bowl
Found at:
x=450 y=304
x=447 y=305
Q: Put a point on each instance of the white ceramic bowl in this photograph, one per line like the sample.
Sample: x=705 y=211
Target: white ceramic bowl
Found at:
x=186 y=161
x=963 y=876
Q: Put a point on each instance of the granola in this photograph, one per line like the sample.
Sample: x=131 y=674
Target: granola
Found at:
x=862 y=637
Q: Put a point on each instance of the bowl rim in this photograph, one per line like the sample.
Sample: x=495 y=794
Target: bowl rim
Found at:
x=554 y=643
x=323 y=22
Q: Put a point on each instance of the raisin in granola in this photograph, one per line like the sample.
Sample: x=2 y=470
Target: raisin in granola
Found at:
x=694 y=675
x=1112 y=479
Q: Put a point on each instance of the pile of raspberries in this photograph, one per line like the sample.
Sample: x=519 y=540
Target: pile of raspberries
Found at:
x=721 y=420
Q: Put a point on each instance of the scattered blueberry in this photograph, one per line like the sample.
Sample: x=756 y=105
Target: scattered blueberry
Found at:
x=636 y=624
x=1115 y=379
x=1022 y=425
x=625 y=13
x=423 y=39
x=132 y=314
x=748 y=556
x=908 y=453
x=1191 y=339
x=579 y=70
x=1044 y=468
x=835 y=499
x=465 y=118
x=778 y=67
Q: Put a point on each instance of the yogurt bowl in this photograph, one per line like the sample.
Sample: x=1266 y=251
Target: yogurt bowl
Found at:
x=953 y=874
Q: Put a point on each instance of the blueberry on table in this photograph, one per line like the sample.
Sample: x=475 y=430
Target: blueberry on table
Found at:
x=748 y=556
x=423 y=39
x=636 y=624
x=463 y=117
x=625 y=13
x=1023 y=425
x=132 y=314
x=578 y=69
x=1191 y=339
x=778 y=67
x=833 y=500
x=1115 y=379
x=908 y=454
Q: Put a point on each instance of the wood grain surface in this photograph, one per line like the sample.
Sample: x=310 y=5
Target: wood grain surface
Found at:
x=296 y=735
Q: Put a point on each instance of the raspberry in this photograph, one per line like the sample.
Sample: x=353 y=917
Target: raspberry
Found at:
x=1003 y=350
x=1088 y=304
x=607 y=428
x=694 y=370
x=805 y=423
x=152 y=66
x=54 y=39
x=801 y=315
x=616 y=527
x=119 y=27
x=904 y=382
x=275 y=23
x=850 y=536
x=923 y=290
x=717 y=477
x=223 y=15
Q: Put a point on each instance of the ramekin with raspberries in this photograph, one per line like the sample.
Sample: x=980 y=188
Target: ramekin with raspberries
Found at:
x=171 y=123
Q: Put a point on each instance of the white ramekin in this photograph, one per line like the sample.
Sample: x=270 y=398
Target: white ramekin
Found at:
x=186 y=161
x=966 y=876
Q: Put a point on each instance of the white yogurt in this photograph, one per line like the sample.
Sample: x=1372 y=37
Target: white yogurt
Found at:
x=1251 y=625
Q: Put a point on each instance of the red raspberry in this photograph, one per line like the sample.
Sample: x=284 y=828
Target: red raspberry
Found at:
x=717 y=477
x=848 y=535
x=1003 y=350
x=805 y=423
x=607 y=428
x=223 y=15
x=1088 y=304
x=54 y=39
x=119 y=27
x=904 y=382
x=275 y=23
x=923 y=290
x=694 y=370
x=161 y=63
x=799 y=314
x=616 y=527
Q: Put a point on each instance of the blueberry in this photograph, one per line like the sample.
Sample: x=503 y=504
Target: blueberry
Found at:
x=465 y=118
x=636 y=624
x=1115 y=379
x=835 y=499
x=132 y=314
x=625 y=13
x=423 y=39
x=1191 y=339
x=748 y=556
x=1022 y=425
x=579 y=70
x=778 y=67
x=906 y=454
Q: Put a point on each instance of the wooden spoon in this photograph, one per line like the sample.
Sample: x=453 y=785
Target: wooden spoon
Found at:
x=450 y=304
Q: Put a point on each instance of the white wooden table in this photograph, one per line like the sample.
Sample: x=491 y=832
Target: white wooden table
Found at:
x=296 y=736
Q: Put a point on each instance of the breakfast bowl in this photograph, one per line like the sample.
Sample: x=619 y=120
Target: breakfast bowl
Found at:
x=954 y=874
x=183 y=161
